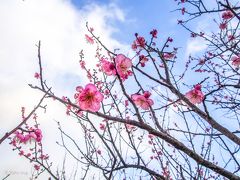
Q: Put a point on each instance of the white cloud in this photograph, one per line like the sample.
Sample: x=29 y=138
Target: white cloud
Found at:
x=194 y=46
x=61 y=29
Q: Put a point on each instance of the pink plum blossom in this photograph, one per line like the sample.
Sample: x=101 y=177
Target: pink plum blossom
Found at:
x=38 y=134
x=102 y=126
x=227 y=15
x=36 y=167
x=223 y=25
x=108 y=67
x=123 y=65
x=143 y=59
x=236 y=61
x=37 y=75
x=154 y=33
x=143 y=100
x=89 y=39
x=195 y=95
x=89 y=98
x=139 y=42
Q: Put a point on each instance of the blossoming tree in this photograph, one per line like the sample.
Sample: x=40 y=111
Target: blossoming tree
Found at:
x=143 y=117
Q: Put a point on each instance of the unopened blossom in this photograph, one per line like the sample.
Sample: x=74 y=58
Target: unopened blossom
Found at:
x=143 y=101
x=183 y=10
x=236 y=61
x=99 y=151
x=37 y=75
x=89 y=39
x=89 y=98
x=123 y=66
x=170 y=39
x=102 y=126
x=227 y=15
x=108 y=67
x=195 y=95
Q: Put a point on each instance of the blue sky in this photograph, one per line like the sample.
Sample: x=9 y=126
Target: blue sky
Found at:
x=142 y=16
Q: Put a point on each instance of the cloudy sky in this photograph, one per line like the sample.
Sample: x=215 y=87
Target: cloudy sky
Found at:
x=60 y=25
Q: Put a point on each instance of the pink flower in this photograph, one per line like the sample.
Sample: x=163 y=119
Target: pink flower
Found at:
x=108 y=67
x=90 y=98
x=143 y=100
x=82 y=64
x=227 y=15
x=223 y=25
x=139 y=42
x=236 y=61
x=37 y=167
x=20 y=137
x=102 y=126
x=89 y=39
x=32 y=135
x=143 y=59
x=195 y=96
x=231 y=37
x=35 y=135
x=168 y=56
x=123 y=65
x=21 y=153
x=37 y=75
x=154 y=33
x=38 y=134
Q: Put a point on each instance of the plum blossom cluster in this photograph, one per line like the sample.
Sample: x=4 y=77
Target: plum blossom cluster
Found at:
x=140 y=41
x=28 y=135
x=226 y=16
x=143 y=101
x=195 y=95
x=89 y=98
x=122 y=67
x=32 y=135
